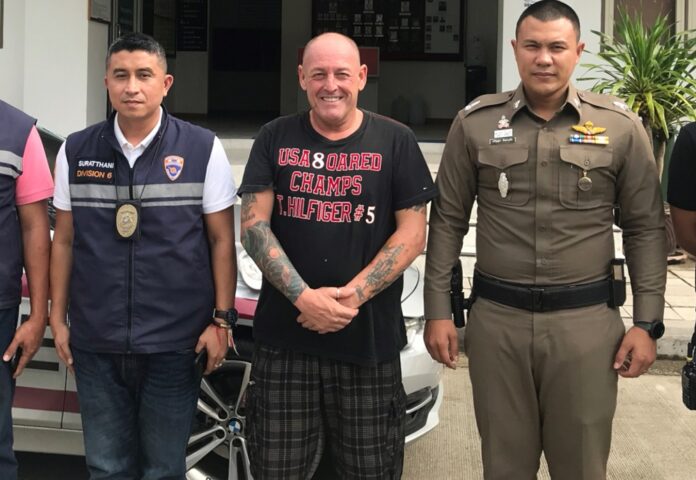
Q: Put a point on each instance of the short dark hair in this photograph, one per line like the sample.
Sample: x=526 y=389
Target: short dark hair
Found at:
x=549 y=10
x=137 y=41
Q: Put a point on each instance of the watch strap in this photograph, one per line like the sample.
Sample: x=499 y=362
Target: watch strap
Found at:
x=228 y=317
x=655 y=329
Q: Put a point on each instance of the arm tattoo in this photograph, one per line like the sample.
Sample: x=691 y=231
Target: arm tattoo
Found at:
x=383 y=273
x=248 y=199
x=262 y=245
x=418 y=208
x=361 y=295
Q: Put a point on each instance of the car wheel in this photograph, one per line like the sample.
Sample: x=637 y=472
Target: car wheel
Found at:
x=217 y=447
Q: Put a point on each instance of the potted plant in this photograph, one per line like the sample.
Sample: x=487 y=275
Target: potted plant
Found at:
x=653 y=70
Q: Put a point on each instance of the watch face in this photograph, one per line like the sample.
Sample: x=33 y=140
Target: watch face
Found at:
x=230 y=316
x=657 y=330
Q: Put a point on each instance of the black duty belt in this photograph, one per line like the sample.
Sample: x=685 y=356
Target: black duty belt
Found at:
x=542 y=298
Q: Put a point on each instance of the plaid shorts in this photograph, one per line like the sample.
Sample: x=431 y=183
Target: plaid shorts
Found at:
x=302 y=408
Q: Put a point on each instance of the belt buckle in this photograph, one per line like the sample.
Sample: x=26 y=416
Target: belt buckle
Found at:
x=537 y=299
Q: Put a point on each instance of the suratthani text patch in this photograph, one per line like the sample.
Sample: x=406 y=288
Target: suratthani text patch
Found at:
x=94 y=171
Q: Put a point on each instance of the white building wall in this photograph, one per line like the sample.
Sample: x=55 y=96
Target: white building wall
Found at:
x=98 y=34
x=53 y=63
x=55 y=71
x=590 y=14
x=12 y=54
x=691 y=14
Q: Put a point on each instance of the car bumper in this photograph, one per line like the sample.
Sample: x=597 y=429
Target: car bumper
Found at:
x=422 y=379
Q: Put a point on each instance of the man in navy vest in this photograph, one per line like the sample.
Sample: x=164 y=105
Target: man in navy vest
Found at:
x=25 y=184
x=143 y=265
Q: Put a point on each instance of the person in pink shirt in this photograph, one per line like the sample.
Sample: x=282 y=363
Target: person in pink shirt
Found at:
x=25 y=186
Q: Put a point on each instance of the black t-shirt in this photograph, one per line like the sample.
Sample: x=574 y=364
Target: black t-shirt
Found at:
x=334 y=210
x=681 y=191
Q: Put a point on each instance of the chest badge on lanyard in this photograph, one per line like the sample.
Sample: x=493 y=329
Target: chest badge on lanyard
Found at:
x=128 y=219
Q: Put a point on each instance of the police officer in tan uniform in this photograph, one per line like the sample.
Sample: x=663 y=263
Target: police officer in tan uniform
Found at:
x=547 y=164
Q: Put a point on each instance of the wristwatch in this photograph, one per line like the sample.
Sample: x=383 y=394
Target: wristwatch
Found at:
x=229 y=317
x=655 y=329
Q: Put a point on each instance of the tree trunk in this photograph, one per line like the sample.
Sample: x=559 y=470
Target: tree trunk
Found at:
x=659 y=148
x=648 y=129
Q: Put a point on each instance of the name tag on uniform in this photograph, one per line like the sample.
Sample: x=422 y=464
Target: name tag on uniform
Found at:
x=497 y=141
x=506 y=133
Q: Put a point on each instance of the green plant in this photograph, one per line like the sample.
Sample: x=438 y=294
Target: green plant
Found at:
x=652 y=70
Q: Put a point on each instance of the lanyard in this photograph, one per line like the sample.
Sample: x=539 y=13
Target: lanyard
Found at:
x=127 y=215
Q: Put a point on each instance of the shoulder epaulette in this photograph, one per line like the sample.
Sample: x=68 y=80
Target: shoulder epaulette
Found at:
x=608 y=102
x=487 y=101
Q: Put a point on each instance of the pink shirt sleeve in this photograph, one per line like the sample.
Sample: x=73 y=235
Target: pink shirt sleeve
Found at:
x=35 y=182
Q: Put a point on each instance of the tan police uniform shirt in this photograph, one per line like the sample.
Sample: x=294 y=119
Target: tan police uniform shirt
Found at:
x=539 y=221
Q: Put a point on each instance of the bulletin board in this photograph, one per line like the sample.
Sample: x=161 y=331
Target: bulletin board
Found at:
x=401 y=29
x=192 y=26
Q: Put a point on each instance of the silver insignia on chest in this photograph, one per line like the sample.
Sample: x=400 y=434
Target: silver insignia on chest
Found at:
x=503 y=185
x=503 y=123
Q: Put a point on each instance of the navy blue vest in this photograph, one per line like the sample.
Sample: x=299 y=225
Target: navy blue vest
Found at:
x=15 y=127
x=154 y=294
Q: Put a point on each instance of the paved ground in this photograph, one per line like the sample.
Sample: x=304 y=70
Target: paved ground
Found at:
x=680 y=301
x=654 y=436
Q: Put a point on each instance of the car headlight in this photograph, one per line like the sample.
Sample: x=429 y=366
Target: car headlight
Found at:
x=414 y=325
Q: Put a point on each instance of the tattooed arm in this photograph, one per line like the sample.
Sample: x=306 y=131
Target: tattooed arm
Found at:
x=402 y=247
x=320 y=309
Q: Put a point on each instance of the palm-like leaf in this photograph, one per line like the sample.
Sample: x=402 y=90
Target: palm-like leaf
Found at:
x=652 y=69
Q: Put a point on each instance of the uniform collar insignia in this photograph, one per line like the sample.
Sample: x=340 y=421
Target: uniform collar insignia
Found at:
x=574 y=99
x=621 y=105
x=471 y=105
x=515 y=104
x=173 y=166
x=517 y=100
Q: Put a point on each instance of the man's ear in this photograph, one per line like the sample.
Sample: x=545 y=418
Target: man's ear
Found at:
x=168 y=81
x=301 y=78
x=579 y=50
x=362 y=76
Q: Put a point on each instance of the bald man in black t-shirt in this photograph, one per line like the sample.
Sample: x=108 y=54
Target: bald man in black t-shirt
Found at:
x=333 y=211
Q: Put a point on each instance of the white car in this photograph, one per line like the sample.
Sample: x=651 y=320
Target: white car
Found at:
x=46 y=413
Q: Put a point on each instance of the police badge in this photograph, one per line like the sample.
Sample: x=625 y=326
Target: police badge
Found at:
x=128 y=219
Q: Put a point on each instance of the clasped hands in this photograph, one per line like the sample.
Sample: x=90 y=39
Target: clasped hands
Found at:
x=327 y=309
